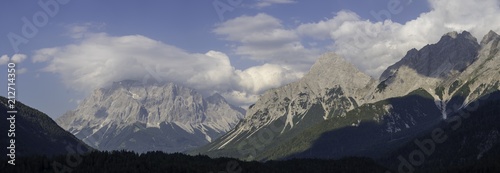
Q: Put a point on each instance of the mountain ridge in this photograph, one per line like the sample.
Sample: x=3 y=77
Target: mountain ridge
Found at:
x=36 y=134
x=146 y=117
x=277 y=113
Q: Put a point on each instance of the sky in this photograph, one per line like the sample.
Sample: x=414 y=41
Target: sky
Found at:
x=64 y=49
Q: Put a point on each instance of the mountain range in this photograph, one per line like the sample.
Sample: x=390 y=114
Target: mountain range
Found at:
x=436 y=107
x=337 y=111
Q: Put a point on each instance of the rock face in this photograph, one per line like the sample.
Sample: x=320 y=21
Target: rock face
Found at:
x=137 y=117
x=336 y=104
x=452 y=54
x=428 y=67
x=482 y=77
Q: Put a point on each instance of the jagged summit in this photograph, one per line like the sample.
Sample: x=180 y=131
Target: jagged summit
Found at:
x=332 y=70
x=216 y=98
x=452 y=34
x=492 y=35
x=330 y=64
x=141 y=117
x=455 y=35
x=454 y=52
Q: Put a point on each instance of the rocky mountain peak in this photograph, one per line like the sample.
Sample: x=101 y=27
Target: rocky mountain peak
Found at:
x=452 y=34
x=454 y=52
x=455 y=36
x=216 y=98
x=492 y=35
x=331 y=70
x=329 y=62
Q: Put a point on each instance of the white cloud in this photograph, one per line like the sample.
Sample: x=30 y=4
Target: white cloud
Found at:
x=44 y=54
x=261 y=78
x=98 y=59
x=267 y=3
x=321 y=30
x=240 y=28
x=22 y=71
x=4 y=59
x=16 y=58
x=263 y=38
x=79 y=30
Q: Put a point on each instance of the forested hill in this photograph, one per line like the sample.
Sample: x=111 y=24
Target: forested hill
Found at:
x=123 y=161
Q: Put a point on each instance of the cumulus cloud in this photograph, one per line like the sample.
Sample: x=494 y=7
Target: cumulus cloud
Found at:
x=16 y=58
x=267 y=3
x=99 y=59
x=4 y=59
x=260 y=78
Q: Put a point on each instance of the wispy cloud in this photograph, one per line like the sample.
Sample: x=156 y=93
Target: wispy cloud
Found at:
x=267 y=3
x=78 y=30
x=263 y=38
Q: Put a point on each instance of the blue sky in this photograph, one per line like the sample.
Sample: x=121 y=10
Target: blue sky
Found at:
x=256 y=46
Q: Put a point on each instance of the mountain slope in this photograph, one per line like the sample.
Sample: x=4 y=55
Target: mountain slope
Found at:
x=37 y=134
x=468 y=137
x=472 y=125
x=331 y=88
x=335 y=138
x=370 y=130
x=453 y=53
x=481 y=78
x=429 y=67
x=137 y=117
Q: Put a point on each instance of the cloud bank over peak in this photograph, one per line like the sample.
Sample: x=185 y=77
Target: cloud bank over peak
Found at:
x=98 y=59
